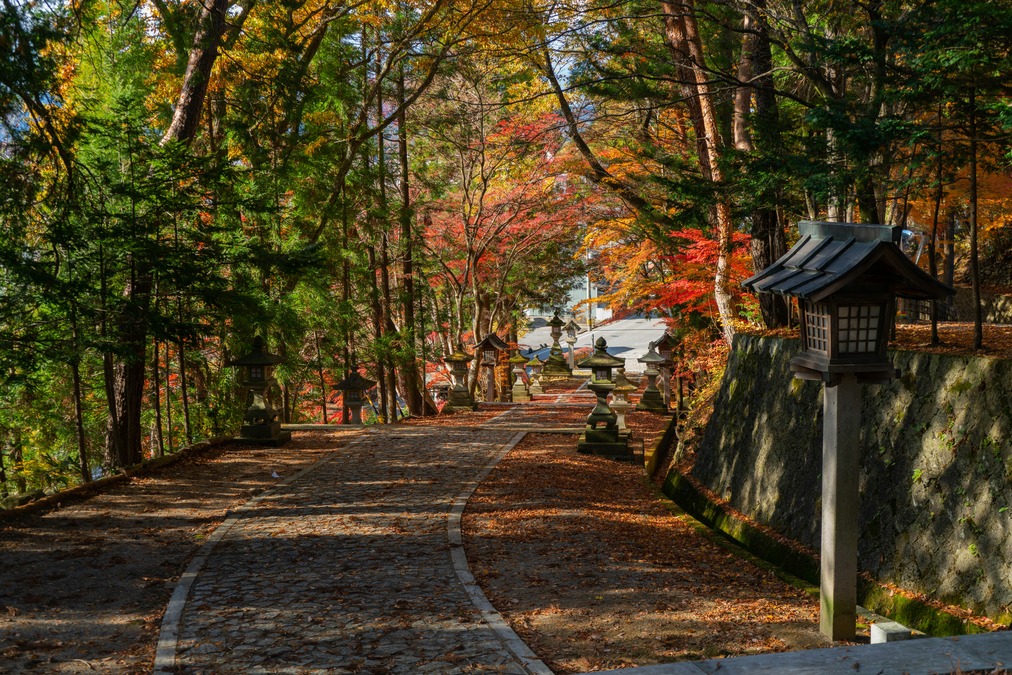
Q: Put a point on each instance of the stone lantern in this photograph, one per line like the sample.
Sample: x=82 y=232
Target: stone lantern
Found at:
x=601 y=437
x=353 y=387
x=620 y=400
x=520 y=393
x=846 y=278
x=571 y=329
x=651 y=400
x=665 y=346
x=556 y=366
x=488 y=350
x=536 y=365
x=459 y=397
x=260 y=423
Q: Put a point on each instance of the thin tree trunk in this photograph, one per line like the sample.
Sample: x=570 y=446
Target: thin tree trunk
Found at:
x=932 y=254
x=3 y=474
x=978 y=313
x=82 y=439
x=409 y=367
x=168 y=396
x=319 y=370
x=156 y=375
x=17 y=457
x=183 y=391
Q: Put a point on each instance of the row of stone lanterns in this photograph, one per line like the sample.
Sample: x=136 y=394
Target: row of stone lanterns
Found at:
x=261 y=425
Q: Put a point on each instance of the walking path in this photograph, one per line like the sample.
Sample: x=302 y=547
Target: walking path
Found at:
x=350 y=566
x=351 y=561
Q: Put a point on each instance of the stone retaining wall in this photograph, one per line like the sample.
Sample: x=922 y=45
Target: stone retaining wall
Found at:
x=936 y=480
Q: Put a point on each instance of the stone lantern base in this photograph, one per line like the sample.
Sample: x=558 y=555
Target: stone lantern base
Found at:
x=459 y=401
x=556 y=367
x=605 y=443
x=264 y=434
x=651 y=401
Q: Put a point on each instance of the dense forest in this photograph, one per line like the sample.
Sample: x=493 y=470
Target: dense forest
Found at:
x=365 y=184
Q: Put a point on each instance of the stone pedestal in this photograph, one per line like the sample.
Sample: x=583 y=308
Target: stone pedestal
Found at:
x=601 y=436
x=651 y=400
x=519 y=391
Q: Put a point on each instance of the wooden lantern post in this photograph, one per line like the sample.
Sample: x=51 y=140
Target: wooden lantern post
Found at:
x=846 y=278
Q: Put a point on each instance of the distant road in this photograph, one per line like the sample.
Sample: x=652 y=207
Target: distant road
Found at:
x=627 y=339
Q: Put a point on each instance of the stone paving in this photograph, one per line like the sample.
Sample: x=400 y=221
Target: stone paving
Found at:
x=347 y=568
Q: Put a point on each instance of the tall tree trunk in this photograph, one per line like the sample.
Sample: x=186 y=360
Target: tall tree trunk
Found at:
x=184 y=391
x=17 y=458
x=203 y=52
x=319 y=371
x=932 y=242
x=978 y=312
x=3 y=474
x=82 y=438
x=377 y=320
x=385 y=377
x=409 y=366
x=682 y=29
x=168 y=397
x=127 y=387
x=157 y=399
x=75 y=371
x=768 y=240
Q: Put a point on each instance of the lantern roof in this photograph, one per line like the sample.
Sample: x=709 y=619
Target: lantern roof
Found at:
x=492 y=340
x=666 y=340
x=257 y=357
x=556 y=321
x=355 y=381
x=535 y=361
x=458 y=355
x=651 y=358
x=518 y=358
x=571 y=324
x=601 y=358
x=832 y=256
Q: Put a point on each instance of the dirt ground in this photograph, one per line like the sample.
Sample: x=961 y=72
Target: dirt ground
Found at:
x=595 y=572
x=83 y=588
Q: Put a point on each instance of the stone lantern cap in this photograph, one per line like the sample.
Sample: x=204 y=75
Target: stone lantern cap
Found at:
x=600 y=358
x=831 y=257
x=535 y=361
x=355 y=382
x=519 y=359
x=257 y=357
x=572 y=326
x=458 y=356
x=651 y=358
x=556 y=322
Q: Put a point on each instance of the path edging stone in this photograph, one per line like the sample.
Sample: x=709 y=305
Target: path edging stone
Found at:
x=493 y=618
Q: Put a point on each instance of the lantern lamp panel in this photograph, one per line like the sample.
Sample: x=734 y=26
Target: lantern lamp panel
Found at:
x=859 y=328
x=256 y=373
x=817 y=328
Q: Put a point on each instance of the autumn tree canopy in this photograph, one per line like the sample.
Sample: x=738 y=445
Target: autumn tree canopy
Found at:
x=365 y=184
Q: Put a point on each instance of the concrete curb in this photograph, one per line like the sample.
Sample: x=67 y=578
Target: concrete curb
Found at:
x=507 y=636
x=168 y=636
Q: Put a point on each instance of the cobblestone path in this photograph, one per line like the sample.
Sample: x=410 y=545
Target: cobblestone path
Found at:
x=347 y=568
